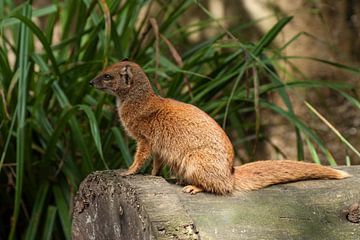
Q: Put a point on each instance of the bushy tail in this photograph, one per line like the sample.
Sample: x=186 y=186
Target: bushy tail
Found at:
x=260 y=174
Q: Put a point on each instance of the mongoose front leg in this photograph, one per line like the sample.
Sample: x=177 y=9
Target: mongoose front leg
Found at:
x=157 y=165
x=142 y=154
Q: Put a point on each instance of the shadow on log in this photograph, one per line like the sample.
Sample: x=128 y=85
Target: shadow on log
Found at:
x=108 y=206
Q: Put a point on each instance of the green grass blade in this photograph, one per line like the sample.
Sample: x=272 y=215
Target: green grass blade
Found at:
x=37 y=211
x=354 y=70
x=55 y=137
x=347 y=161
x=21 y=117
x=75 y=128
x=312 y=151
x=270 y=36
x=4 y=66
x=239 y=77
x=311 y=83
x=300 y=125
x=41 y=12
x=94 y=130
x=263 y=43
x=337 y=133
x=284 y=96
x=256 y=107
x=352 y=100
x=4 y=151
x=49 y=223
x=123 y=146
x=63 y=210
x=42 y=38
x=107 y=35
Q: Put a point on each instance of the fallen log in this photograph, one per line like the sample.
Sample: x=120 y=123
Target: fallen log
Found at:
x=108 y=206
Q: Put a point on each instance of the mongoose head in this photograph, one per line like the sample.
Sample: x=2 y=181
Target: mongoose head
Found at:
x=122 y=79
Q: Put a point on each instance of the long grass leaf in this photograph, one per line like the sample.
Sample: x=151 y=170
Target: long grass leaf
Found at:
x=63 y=211
x=75 y=127
x=312 y=151
x=300 y=125
x=49 y=223
x=241 y=73
x=64 y=118
x=107 y=17
x=337 y=133
x=41 y=12
x=5 y=149
x=37 y=211
x=94 y=131
x=284 y=96
x=44 y=41
x=21 y=117
x=354 y=70
x=123 y=146
x=352 y=100
x=256 y=107
x=270 y=36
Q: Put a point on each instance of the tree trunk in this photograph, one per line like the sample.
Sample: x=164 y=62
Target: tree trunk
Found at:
x=108 y=206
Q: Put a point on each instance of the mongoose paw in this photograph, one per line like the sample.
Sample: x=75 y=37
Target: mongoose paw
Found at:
x=192 y=189
x=133 y=169
x=127 y=173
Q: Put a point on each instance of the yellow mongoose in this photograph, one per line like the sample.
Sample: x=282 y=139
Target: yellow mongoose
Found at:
x=189 y=141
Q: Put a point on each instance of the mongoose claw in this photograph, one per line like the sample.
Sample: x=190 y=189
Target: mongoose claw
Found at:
x=192 y=189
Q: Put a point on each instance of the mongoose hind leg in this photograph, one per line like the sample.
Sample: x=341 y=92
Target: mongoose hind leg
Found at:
x=208 y=171
x=192 y=189
x=157 y=165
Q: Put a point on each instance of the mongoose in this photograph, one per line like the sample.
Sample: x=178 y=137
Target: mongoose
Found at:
x=189 y=141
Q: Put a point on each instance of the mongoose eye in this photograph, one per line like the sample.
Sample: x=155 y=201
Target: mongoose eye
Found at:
x=107 y=77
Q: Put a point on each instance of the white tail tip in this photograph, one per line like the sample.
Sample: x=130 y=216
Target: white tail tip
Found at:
x=343 y=174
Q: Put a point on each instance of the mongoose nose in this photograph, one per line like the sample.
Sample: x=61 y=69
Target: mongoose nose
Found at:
x=91 y=82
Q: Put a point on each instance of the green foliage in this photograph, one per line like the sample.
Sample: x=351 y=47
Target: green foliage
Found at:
x=55 y=129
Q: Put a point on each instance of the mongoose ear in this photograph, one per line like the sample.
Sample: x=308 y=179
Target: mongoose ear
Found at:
x=126 y=75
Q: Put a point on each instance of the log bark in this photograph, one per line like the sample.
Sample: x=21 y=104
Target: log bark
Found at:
x=108 y=206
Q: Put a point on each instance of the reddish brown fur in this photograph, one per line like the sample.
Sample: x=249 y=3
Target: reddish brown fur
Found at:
x=190 y=141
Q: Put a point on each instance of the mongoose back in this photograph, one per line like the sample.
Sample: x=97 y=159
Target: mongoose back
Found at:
x=189 y=141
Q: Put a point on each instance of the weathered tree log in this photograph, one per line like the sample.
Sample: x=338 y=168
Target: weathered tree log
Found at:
x=108 y=206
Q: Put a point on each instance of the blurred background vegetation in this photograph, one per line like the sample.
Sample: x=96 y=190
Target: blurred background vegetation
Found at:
x=281 y=87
